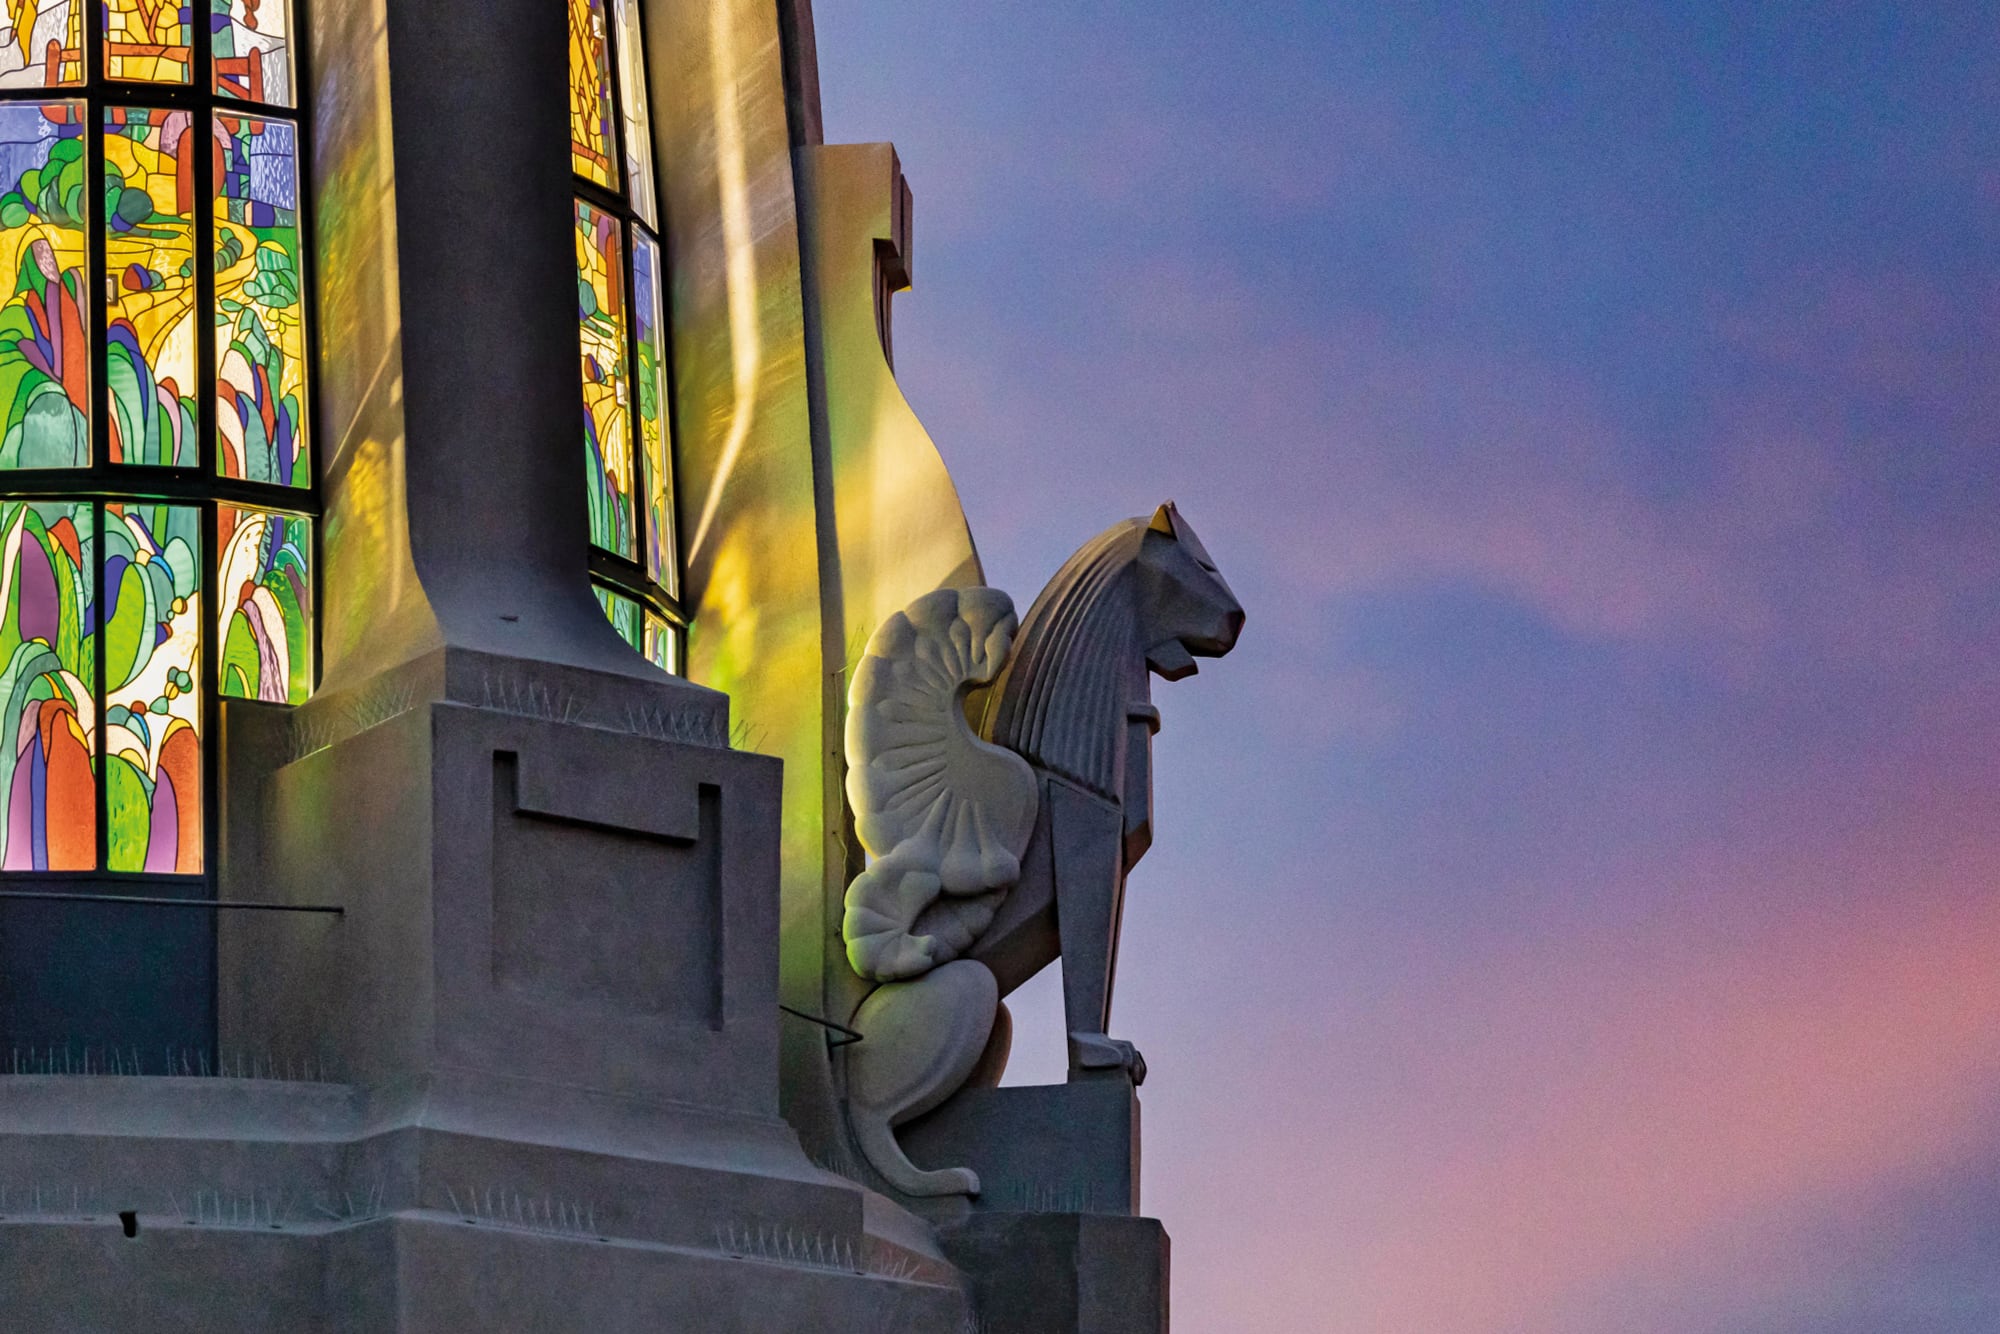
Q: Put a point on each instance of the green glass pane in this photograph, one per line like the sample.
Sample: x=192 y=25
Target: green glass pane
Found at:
x=148 y=220
x=624 y=615
x=663 y=644
x=264 y=605
x=48 y=686
x=44 y=326
x=662 y=563
x=260 y=331
x=153 y=673
x=600 y=292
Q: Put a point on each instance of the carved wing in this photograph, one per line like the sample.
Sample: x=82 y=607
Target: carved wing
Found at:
x=945 y=815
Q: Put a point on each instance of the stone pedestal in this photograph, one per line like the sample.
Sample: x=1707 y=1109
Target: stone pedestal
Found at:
x=1072 y=1147
x=524 y=1079
x=1085 y=1273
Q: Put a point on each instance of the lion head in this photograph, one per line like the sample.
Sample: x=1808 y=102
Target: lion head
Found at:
x=1186 y=610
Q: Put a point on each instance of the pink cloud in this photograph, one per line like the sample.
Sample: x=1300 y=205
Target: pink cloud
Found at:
x=1511 y=1134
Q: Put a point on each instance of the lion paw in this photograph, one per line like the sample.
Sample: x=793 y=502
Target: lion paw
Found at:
x=1094 y=1051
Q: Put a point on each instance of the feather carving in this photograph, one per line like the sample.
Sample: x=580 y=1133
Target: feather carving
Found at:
x=944 y=816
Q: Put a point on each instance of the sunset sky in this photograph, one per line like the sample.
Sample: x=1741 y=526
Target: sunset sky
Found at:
x=1576 y=903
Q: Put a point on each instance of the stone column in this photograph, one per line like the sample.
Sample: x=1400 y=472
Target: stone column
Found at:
x=557 y=882
x=449 y=325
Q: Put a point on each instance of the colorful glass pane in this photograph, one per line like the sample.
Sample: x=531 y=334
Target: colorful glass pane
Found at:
x=662 y=645
x=651 y=396
x=600 y=294
x=264 y=605
x=147 y=41
x=149 y=352
x=48 y=685
x=590 y=94
x=153 y=673
x=252 y=45
x=44 y=347
x=624 y=615
x=638 y=115
x=260 y=332
x=41 y=43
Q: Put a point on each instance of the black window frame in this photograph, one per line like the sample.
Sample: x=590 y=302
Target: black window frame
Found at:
x=612 y=571
x=199 y=485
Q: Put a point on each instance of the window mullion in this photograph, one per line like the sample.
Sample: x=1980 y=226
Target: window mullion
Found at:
x=101 y=687
x=201 y=53
x=202 y=135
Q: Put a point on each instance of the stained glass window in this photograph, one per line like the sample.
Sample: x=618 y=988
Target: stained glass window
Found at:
x=622 y=330
x=153 y=351
x=650 y=393
x=600 y=298
x=637 y=123
x=48 y=685
x=590 y=94
x=41 y=44
x=44 y=342
x=149 y=336
x=661 y=643
x=624 y=614
x=252 y=49
x=260 y=338
x=148 y=41
x=264 y=609
x=153 y=723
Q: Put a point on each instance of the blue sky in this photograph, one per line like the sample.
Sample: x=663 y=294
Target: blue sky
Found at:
x=1574 y=904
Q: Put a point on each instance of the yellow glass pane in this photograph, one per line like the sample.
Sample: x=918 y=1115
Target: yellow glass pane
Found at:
x=44 y=302
x=590 y=94
x=41 y=43
x=260 y=331
x=147 y=41
x=149 y=351
x=607 y=426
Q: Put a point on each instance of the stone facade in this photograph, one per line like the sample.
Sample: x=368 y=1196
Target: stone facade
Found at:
x=529 y=990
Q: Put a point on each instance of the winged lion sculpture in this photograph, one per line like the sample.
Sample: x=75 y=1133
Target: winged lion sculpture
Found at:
x=994 y=852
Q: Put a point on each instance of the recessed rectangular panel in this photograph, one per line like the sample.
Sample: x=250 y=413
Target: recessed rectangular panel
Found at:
x=600 y=273
x=148 y=41
x=662 y=563
x=108 y=988
x=264 y=605
x=590 y=94
x=260 y=332
x=638 y=120
x=153 y=722
x=44 y=322
x=48 y=713
x=620 y=920
x=41 y=45
x=252 y=47
x=148 y=221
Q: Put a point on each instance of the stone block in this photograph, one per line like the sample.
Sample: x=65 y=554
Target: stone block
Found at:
x=1047 y=1273
x=1069 y=1147
x=525 y=900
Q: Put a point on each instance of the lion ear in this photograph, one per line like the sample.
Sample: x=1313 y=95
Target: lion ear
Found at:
x=1163 y=519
